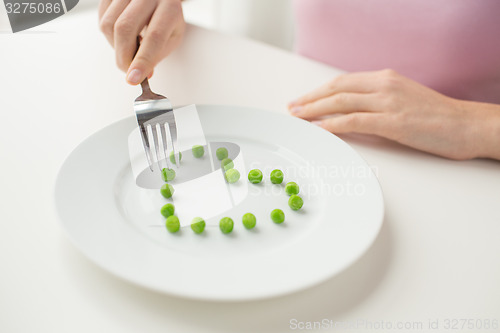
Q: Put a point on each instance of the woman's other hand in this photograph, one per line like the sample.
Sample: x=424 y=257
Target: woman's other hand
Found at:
x=387 y=104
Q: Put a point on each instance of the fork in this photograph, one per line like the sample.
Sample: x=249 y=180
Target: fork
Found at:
x=155 y=111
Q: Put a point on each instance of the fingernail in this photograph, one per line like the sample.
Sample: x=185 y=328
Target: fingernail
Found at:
x=134 y=77
x=296 y=109
x=317 y=122
x=292 y=104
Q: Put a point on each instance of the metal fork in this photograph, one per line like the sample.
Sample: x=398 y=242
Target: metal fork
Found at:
x=155 y=111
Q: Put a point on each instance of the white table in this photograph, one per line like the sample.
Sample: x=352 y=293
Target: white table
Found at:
x=436 y=258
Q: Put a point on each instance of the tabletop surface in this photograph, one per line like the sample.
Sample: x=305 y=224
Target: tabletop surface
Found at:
x=436 y=259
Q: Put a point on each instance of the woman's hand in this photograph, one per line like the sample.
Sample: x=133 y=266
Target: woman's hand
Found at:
x=390 y=105
x=160 y=22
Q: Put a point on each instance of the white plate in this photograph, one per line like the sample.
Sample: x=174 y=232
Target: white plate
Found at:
x=99 y=207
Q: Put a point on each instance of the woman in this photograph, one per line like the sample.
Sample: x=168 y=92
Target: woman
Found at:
x=445 y=101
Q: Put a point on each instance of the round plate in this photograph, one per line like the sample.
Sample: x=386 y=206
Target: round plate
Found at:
x=118 y=225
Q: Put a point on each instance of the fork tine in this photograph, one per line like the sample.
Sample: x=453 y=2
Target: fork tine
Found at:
x=164 y=141
x=172 y=128
x=157 y=145
x=145 y=143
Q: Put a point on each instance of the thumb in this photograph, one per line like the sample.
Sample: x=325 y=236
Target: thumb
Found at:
x=140 y=68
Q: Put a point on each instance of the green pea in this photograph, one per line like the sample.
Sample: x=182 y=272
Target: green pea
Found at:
x=227 y=164
x=226 y=225
x=198 y=225
x=172 y=157
x=255 y=176
x=173 y=224
x=249 y=220
x=292 y=188
x=277 y=176
x=232 y=176
x=295 y=202
x=167 y=190
x=198 y=151
x=278 y=216
x=221 y=153
x=167 y=210
x=167 y=174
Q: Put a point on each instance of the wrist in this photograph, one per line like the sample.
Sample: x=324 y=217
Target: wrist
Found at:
x=483 y=131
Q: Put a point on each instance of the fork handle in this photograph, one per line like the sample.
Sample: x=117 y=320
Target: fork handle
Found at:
x=145 y=83
x=145 y=86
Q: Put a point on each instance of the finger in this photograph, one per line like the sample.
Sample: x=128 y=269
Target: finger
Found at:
x=144 y=63
x=338 y=103
x=109 y=17
x=359 y=82
x=103 y=5
x=162 y=36
x=358 y=122
x=127 y=28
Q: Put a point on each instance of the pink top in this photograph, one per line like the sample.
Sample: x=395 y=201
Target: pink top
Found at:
x=452 y=46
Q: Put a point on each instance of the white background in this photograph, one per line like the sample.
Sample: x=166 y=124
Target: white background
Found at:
x=268 y=21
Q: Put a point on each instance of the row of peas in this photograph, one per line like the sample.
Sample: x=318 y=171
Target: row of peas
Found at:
x=168 y=175
x=291 y=188
x=226 y=224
